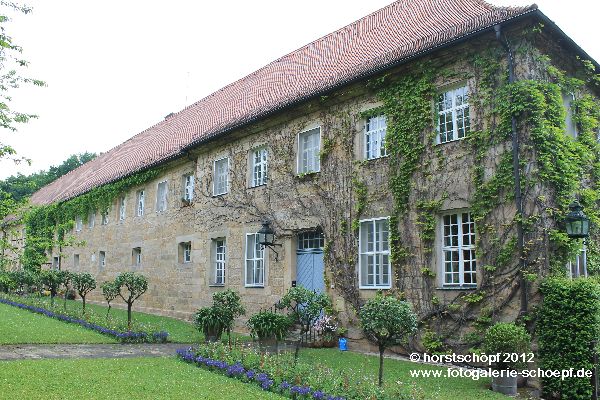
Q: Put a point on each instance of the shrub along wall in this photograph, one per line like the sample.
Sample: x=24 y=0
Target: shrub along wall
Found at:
x=568 y=322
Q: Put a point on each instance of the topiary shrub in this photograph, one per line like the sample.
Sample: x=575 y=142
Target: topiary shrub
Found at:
x=110 y=291
x=229 y=304
x=136 y=285
x=211 y=322
x=83 y=283
x=387 y=321
x=306 y=306
x=568 y=322
x=507 y=338
x=269 y=325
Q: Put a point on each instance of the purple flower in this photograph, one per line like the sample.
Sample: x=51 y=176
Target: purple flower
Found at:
x=250 y=374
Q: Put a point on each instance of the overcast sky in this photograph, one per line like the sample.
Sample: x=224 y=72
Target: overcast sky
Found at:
x=114 y=68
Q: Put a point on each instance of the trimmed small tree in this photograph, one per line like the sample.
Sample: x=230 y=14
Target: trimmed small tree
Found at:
x=67 y=280
x=306 y=307
x=136 y=285
x=387 y=321
x=52 y=279
x=110 y=291
x=84 y=283
x=229 y=305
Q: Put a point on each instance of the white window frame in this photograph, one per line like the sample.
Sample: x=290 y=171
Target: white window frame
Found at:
x=78 y=223
x=91 y=219
x=186 y=252
x=136 y=256
x=188 y=188
x=379 y=253
x=581 y=257
x=104 y=218
x=454 y=111
x=122 y=208
x=140 y=202
x=162 y=202
x=102 y=259
x=259 y=169
x=217 y=178
x=300 y=168
x=219 y=261
x=460 y=248
x=256 y=263
x=374 y=139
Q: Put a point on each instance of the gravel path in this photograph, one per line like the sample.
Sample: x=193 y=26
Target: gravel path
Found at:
x=38 y=351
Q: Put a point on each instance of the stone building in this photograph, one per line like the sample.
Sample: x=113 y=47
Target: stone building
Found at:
x=373 y=153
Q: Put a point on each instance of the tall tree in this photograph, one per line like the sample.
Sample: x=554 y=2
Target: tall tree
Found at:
x=12 y=65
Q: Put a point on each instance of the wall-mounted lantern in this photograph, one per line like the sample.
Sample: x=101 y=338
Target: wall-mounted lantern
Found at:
x=576 y=222
x=266 y=238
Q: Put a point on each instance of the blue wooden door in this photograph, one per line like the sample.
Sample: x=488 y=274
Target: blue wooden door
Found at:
x=309 y=261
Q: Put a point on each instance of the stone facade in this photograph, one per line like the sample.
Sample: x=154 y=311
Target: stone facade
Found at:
x=295 y=203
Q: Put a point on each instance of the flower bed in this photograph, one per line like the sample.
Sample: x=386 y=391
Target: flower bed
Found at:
x=279 y=374
x=126 y=337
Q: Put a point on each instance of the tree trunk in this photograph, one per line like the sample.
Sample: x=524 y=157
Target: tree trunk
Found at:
x=129 y=316
x=381 y=350
x=83 y=300
x=108 y=311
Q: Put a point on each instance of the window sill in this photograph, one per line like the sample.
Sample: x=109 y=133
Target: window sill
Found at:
x=257 y=186
x=387 y=287
x=219 y=195
x=437 y=143
x=464 y=287
x=218 y=285
x=376 y=158
x=254 y=286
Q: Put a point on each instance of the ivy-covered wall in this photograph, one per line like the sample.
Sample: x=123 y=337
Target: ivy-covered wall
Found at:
x=413 y=185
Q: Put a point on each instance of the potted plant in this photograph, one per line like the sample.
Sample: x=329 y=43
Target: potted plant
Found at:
x=209 y=321
x=269 y=328
x=327 y=329
x=507 y=338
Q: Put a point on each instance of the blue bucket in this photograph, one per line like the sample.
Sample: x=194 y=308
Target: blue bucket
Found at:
x=343 y=342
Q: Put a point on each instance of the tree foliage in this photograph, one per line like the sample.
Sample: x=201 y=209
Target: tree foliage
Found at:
x=22 y=186
x=135 y=285
x=110 y=291
x=229 y=304
x=84 y=283
x=387 y=321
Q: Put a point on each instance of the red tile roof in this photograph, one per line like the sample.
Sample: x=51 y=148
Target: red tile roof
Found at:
x=399 y=31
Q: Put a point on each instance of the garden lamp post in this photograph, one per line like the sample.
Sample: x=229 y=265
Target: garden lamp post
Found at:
x=266 y=238
x=576 y=222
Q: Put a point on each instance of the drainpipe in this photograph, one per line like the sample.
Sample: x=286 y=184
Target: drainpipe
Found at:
x=517 y=175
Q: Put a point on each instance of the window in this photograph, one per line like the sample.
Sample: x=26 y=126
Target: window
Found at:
x=161 y=196
x=185 y=252
x=188 y=188
x=122 y=208
x=458 y=250
x=374 y=262
x=218 y=250
x=255 y=264
x=309 y=146
x=578 y=266
x=102 y=259
x=105 y=217
x=375 y=137
x=78 y=223
x=259 y=167
x=56 y=263
x=140 y=203
x=136 y=256
x=570 y=124
x=91 y=219
x=75 y=260
x=453 y=114
x=221 y=177
x=311 y=240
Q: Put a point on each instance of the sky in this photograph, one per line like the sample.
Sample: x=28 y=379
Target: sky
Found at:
x=114 y=68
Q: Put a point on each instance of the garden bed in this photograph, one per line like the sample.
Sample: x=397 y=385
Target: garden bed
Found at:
x=123 y=336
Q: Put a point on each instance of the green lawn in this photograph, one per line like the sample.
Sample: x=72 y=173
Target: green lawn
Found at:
x=21 y=326
x=398 y=371
x=127 y=378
